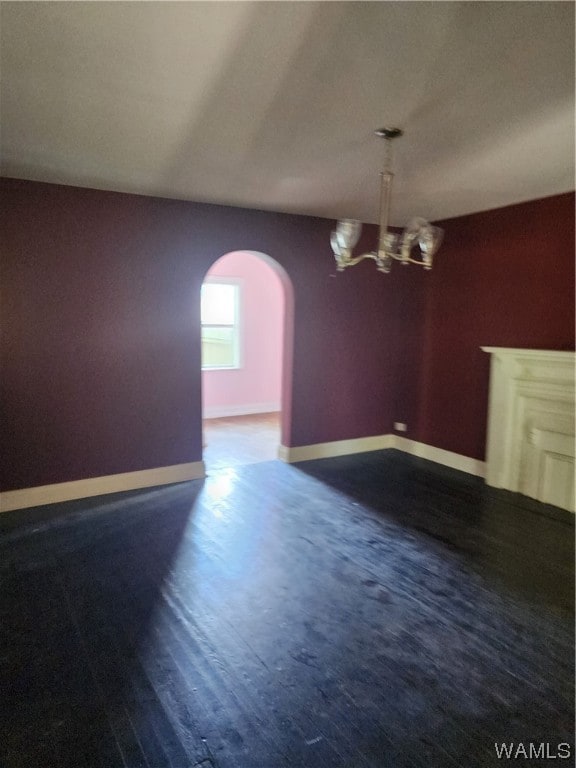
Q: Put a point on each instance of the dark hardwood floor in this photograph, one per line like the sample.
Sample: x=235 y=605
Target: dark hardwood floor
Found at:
x=373 y=610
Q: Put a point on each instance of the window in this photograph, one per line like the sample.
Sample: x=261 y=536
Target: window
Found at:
x=220 y=312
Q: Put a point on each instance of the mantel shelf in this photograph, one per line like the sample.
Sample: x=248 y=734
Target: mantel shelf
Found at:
x=529 y=353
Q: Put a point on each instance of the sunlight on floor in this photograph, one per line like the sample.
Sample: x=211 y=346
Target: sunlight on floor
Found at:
x=239 y=440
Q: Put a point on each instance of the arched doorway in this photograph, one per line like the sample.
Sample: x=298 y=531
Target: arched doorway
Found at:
x=246 y=318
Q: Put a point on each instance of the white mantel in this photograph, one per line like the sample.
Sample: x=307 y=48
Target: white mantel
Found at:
x=531 y=423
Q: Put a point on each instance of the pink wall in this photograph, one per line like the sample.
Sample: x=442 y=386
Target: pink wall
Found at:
x=256 y=386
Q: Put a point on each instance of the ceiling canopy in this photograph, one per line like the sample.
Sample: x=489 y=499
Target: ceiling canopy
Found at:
x=273 y=105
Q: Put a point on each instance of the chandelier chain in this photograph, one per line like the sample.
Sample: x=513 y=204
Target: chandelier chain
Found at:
x=387 y=156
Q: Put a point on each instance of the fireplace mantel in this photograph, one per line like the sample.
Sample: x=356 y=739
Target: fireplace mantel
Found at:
x=531 y=423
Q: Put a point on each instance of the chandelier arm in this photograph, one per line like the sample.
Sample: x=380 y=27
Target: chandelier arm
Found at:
x=409 y=260
x=350 y=262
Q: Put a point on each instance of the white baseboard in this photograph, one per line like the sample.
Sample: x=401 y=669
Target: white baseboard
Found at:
x=129 y=481
x=98 y=486
x=440 y=456
x=378 y=443
x=336 y=448
x=222 y=411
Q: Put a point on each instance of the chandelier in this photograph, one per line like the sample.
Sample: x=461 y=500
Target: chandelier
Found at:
x=391 y=246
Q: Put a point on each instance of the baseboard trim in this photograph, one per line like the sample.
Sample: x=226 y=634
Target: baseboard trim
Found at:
x=383 y=442
x=99 y=486
x=440 y=456
x=335 y=448
x=178 y=473
x=223 y=411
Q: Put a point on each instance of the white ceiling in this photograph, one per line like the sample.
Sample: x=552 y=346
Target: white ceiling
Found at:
x=273 y=104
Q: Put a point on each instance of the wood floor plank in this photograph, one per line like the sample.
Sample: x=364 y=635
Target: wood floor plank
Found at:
x=358 y=612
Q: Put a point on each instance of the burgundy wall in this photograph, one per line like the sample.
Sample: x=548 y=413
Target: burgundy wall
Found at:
x=100 y=350
x=502 y=278
x=100 y=353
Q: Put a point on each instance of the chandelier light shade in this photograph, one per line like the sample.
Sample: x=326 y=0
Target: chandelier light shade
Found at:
x=419 y=233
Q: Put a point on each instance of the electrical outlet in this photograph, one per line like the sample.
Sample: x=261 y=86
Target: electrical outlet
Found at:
x=399 y=426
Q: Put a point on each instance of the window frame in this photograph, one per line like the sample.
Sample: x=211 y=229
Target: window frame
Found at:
x=236 y=283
